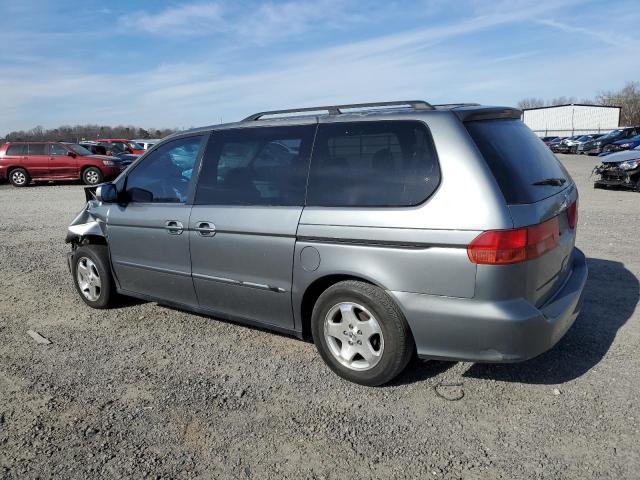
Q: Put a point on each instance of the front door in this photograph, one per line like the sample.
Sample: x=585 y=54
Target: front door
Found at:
x=244 y=221
x=148 y=238
x=61 y=164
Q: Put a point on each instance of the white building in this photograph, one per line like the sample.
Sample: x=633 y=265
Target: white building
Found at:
x=573 y=119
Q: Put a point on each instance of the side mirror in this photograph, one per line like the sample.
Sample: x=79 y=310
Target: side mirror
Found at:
x=107 y=193
x=72 y=154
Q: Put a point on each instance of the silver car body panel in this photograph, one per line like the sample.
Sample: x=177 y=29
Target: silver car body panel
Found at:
x=258 y=263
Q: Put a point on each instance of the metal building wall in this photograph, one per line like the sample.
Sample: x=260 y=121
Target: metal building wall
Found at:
x=567 y=120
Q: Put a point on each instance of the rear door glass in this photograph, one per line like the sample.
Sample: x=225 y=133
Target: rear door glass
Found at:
x=518 y=160
x=38 y=149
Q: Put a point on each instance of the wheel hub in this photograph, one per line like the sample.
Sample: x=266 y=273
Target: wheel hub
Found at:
x=354 y=336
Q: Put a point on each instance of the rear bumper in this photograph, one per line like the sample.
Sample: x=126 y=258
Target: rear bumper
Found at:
x=481 y=331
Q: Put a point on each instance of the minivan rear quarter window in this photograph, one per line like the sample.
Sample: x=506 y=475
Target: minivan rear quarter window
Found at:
x=518 y=160
x=372 y=164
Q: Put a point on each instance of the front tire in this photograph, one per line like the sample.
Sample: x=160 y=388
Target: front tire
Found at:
x=19 y=177
x=92 y=276
x=360 y=333
x=92 y=176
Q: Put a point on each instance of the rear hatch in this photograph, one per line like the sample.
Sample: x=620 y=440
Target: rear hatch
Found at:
x=536 y=188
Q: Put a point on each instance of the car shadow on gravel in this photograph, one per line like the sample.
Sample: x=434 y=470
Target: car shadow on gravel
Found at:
x=610 y=298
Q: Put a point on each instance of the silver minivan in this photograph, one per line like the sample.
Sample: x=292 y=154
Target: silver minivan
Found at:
x=379 y=231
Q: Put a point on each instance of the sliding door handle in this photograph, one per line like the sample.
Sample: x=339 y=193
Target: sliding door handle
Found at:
x=173 y=227
x=205 y=229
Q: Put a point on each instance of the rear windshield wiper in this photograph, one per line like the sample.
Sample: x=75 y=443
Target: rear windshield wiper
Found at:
x=556 y=182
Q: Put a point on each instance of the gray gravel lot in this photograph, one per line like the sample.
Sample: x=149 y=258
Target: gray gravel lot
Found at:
x=145 y=391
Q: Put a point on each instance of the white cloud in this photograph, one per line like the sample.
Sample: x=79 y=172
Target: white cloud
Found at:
x=189 y=19
x=426 y=63
x=597 y=32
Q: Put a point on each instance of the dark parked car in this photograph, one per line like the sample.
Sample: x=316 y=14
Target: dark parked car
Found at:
x=548 y=140
x=619 y=169
x=23 y=162
x=596 y=147
x=564 y=145
x=620 y=145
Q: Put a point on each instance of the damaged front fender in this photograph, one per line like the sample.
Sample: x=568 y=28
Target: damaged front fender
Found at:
x=90 y=222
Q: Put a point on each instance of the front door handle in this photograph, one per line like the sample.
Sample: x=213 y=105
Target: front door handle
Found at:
x=173 y=227
x=206 y=229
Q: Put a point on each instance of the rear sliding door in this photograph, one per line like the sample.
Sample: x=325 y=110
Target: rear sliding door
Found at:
x=243 y=224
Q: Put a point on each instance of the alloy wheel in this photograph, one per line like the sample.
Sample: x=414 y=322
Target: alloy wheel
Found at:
x=354 y=336
x=88 y=278
x=18 y=178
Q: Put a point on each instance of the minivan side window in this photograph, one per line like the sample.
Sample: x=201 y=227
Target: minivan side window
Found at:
x=38 y=149
x=256 y=166
x=369 y=164
x=16 y=150
x=165 y=174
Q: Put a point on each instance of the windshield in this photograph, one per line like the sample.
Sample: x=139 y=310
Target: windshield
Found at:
x=113 y=147
x=79 y=149
x=612 y=133
x=135 y=146
x=524 y=168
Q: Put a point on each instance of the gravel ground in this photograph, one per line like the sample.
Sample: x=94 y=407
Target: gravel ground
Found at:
x=146 y=391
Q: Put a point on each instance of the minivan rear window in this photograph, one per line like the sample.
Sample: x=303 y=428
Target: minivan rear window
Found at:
x=523 y=166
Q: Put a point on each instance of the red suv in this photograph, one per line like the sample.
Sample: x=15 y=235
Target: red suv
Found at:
x=129 y=146
x=22 y=162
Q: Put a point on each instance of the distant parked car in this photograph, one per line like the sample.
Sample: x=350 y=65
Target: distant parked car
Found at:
x=552 y=144
x=620 y=145
x=619 y=169
x=595 y=147
x=146 y=143
x=23 y=162
x=129 y=145
x=580 y=144
x=564 y=146
x=571 y=144
x=548 y=140
x=94 y=148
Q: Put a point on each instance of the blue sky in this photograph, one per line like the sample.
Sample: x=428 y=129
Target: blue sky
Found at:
x=192 y=63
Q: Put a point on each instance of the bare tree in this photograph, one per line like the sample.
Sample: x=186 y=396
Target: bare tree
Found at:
x=628 y=98
x=67 y=133
x=531 y=102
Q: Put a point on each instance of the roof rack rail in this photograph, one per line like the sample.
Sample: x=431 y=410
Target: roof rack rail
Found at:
x=336 y=109
x=454 y=105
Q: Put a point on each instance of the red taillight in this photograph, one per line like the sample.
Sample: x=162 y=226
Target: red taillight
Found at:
x=572 y=214
x=502 y=247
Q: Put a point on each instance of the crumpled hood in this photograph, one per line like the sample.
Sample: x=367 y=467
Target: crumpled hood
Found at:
x=621 y=156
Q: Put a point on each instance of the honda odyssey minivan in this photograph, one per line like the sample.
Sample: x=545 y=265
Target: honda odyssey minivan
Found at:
x=378 y=231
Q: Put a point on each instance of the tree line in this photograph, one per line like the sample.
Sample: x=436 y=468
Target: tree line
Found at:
x=78 y=133
x=627 y=97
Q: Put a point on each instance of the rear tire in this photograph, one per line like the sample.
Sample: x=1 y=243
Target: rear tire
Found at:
x=92 y=276
x=19 y=177
x=360 y=333
x=92 y=176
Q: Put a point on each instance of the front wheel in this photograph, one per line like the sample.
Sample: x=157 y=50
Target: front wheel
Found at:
x=92 y=176
x=361 y=333
x=92 y=276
